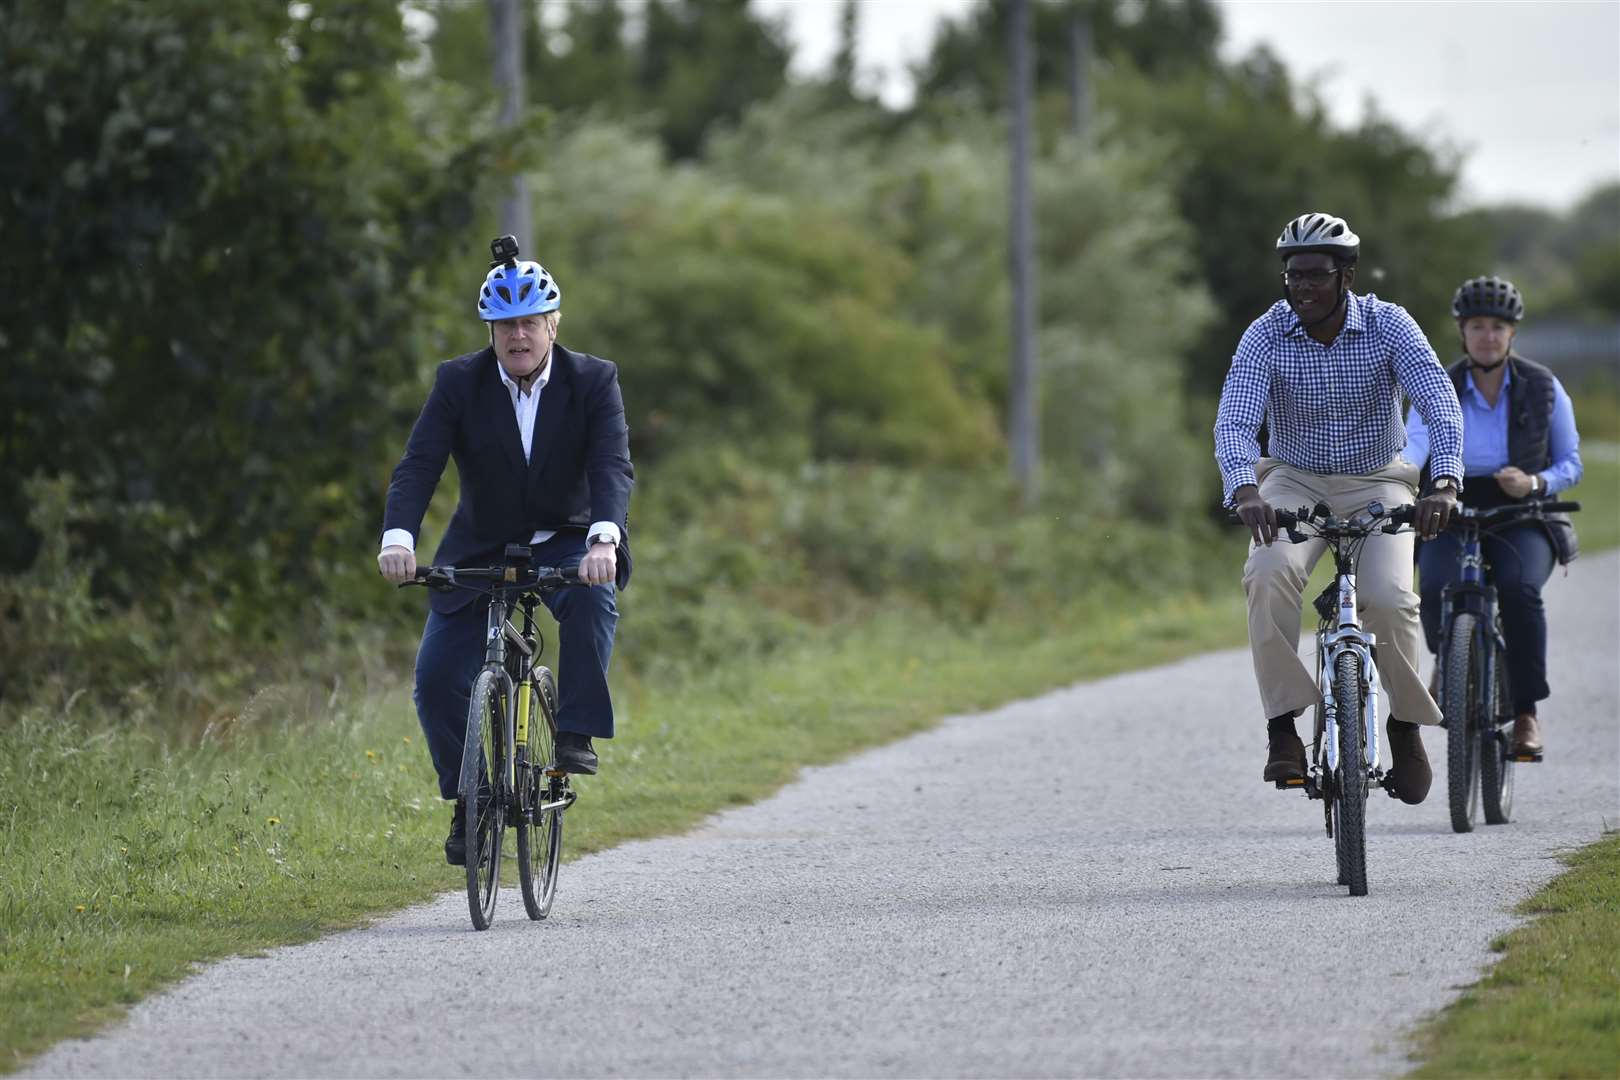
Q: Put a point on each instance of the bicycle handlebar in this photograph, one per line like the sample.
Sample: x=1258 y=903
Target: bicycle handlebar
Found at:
x=1319 y=515
x=1533 y=508
x=490 y=578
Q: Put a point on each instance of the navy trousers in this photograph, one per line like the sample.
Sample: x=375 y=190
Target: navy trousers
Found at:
x=452 y=652
x=1521 y=561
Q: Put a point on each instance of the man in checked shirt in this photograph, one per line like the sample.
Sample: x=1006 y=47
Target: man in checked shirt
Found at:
x=1324 y=369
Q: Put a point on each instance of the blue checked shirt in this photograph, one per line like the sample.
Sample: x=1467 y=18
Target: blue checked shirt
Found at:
x=1334 y=409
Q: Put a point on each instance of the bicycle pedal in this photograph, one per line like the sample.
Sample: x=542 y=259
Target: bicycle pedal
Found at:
x=1292 y=782
x=1528 y=759
x=555 y=772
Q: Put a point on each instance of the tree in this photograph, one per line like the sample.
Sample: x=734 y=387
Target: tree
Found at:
x=693 y=64
x=224 y=237
x=1162 y=38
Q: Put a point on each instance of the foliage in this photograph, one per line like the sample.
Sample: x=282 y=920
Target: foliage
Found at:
x=1164 y=38
x=1244 y=151
x=1567 y=265
x=222 y=237
x=1109 y=246
x=687 y=64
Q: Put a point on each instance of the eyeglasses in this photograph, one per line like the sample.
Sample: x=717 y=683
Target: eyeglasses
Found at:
x=1308 y=277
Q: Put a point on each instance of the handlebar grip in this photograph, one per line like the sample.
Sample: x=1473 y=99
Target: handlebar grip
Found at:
x=1402 y=515
x=1559 y=507
x=1285 y=518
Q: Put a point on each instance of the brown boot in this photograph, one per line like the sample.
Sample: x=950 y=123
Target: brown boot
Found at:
x=1410 y=776
x=1285 y=759
x=1526 y=734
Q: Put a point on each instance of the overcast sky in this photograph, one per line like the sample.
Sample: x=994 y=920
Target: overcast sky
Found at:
x=1529 y=90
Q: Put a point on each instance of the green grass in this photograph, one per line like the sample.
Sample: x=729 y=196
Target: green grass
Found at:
x=133 y=857
x=1551 y=1006
x=129 y=854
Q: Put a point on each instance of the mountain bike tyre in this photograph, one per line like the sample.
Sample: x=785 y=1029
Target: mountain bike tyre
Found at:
x=1466 y=734
x=539 y=832
x=1350 y=786
x=1496 y=749
x=483 y=762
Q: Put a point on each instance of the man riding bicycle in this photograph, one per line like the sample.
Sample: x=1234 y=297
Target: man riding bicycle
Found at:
x=540 y=443
x=1324 y=368
x=1519 y=443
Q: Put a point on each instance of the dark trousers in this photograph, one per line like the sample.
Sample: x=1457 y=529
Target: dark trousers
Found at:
x=452 y=652
x=1521 y=561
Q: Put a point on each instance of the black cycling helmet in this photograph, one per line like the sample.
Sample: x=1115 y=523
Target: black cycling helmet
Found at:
x=1319 y=232
x=1493 y=296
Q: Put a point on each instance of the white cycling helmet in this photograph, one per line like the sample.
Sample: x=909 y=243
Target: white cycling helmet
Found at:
x=1318 y=232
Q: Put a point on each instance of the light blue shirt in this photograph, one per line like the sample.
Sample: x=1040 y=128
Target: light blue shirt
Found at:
x=1485 y=435
x=1332 y=409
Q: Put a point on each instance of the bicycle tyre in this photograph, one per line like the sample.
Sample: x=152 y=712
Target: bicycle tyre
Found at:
x=539 y=832
x=1496 y=750
x=482 y=767
x=1464 y=733
x=1350 y=786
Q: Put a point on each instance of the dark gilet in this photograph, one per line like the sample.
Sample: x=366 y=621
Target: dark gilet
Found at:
x=1530 y=406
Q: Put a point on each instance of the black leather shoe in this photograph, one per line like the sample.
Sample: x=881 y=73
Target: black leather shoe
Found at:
x=1286 y=758
x=1410 y=775
x=455 y=845
x=574 y=753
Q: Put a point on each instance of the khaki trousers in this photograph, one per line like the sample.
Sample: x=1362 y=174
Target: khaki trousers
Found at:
x=1274 y=582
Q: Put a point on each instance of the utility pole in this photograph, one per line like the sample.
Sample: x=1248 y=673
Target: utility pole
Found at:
x=1079 y=72
x=1023 y=421
x=506 y=42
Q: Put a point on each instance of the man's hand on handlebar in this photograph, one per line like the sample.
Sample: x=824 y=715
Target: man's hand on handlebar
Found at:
x=1256 y=513
x=397 y=564
x=1434 y=512
x=600 y=564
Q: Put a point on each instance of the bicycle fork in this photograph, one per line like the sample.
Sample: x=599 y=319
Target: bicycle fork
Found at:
x=1347 y=636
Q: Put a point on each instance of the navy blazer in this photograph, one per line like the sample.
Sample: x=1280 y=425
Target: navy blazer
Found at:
x=578 y=472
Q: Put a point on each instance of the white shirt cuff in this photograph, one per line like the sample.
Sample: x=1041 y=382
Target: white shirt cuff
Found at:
x=605 y=528
x=399 y=538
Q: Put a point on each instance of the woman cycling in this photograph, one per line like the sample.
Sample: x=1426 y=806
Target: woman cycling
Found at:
x=1519 y=442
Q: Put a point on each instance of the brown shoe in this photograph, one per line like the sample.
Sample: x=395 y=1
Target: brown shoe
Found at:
x=1285 y=759
x=1526 y=734
x=1410 y=776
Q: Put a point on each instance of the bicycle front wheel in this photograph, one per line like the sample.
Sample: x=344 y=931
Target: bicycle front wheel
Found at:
x=539 y=827
x=1496 y=748
x=483 y=760
x=1460 y=676
x=1350 y=786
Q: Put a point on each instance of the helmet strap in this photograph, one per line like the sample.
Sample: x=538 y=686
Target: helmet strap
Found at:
x=1336 y=307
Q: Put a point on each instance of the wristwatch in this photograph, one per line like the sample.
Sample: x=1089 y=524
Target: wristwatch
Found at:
x=601 y=538
x=1445 y=483
x=1538 y=484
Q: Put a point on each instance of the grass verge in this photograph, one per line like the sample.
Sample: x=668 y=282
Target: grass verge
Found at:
x=135 y=857
x=132 y=854
x=1550 y=1007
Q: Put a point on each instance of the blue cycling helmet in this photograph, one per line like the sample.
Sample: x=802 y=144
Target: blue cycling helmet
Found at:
x=511 y=292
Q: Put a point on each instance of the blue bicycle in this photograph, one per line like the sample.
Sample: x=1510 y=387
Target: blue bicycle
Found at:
x=1473 y=687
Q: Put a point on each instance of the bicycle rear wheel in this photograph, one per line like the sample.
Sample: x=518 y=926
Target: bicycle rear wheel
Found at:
x=539 y=830
x=1350 y=786
x=1460 y=676
x=1496 y=748
x=483 y=760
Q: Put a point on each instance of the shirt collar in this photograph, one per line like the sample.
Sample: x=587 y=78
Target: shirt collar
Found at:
x=1355 y=319
x=1507 y=377
x=540 y=381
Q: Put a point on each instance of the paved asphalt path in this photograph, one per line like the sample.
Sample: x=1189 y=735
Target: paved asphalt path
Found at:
x=1094 y=882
